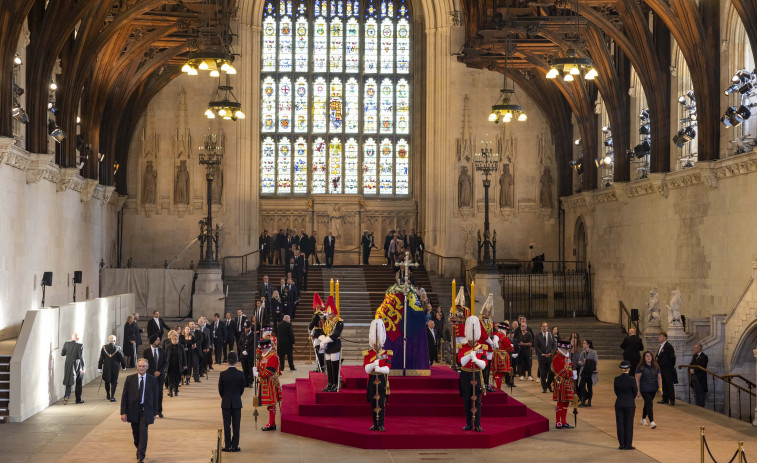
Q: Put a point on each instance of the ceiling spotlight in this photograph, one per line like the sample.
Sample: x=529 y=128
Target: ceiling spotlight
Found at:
x=56 y=132
x=552 y=73
x=608 y=142
x=81 y=165
x=203 y=66
x=116 y=166
x=642 y=149
x=682 y=100
x=19 y=114
x=17 y=60
x=192 y=72
x=53 y=109
x=606 y=128
x=100 y=157
x=644 y=130
x=568 y=78
x=214 y=73
x=78 y=120
x=53 y=86
x=578 y=166
x=577 y=141
x=644 y=114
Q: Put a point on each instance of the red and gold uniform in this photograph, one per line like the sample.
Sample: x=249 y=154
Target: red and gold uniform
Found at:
x=487 y=330
x=473 y=361
x=377 y=365
x=458 y=322
x=501 y=359
x=562 y=386
x=269 y=389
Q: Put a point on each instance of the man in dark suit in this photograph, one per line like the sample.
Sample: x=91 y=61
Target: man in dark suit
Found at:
x=632 y=346
x=329 y=245
x=156 y=366
x=74 y=369
x=625 y=407
x=110 y=365
x=300 y=270
x=218 y=336
x=156 y=326
x=304 y=244
x=431 y=336
x=666 y=359
x=239 y=322
x=285 y=339
x=231 y=384
x=229 y=328
x=246 y=350
x=265 y=290
x=545 y=346
x=387 y=242
x=138 y=403
x=368 y=244
x=698 y=376
x=293 y=298
x=313 y=248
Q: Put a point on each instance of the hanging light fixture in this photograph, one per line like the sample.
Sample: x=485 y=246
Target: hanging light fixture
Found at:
x=224 y=104
x=571 y=65
x=503 y=109
x=214 y=52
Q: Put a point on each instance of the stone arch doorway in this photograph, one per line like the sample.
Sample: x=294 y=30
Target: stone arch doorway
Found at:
x=580 y=241
x=744 y=363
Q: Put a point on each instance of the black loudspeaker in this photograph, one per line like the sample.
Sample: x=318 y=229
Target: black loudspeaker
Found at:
x=634 y=315
x=77 y=277
x=47 y=279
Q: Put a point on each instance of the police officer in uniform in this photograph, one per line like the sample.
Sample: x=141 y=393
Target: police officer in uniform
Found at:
x=625 y=407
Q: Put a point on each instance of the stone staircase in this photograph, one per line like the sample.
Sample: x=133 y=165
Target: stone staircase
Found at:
x=242 y=292
x=605 y=336
x=5 y=386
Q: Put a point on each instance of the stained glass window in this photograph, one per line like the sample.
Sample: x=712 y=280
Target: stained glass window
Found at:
x=336 y=74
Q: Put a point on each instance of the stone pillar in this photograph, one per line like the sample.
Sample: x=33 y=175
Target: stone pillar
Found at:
x=488 y=283
x=209 y=295
x=679 y=340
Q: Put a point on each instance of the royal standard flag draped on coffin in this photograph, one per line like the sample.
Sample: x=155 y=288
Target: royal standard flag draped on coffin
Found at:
x=392 y=311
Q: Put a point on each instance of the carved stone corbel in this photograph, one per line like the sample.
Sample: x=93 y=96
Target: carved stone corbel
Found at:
x=42 y=166
x=70 y=180
x=5 y=146
x=108 y=193
x=658 y=183
x=88 y=189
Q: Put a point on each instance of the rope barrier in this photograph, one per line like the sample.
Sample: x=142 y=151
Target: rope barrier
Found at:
x=739 y=450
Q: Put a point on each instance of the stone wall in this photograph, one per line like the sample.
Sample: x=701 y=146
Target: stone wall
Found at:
x=691 y=230
x=52 y=220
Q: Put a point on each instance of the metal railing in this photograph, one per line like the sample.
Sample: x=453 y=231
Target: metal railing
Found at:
x=703 y=446
x=541 y=266
x=442 y=265
x=552 y=294
x=727 y=380
x=624 y=319
x=244 y=267
x=215 y=454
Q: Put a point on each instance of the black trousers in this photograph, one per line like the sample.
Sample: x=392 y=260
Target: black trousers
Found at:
x=699 y=391
x=289 y=353
x=247 y=364
x=110 y=387
x=194 y=363
x=161 y=386
x=231 y=419
x=218 y=348
x=525 y=361
x=648 y=411
x=173 y=378
x=139 y=431
x=377 y=388
x=624 y=425
x=668 y=386
x=230 y=345
x=366 y=255
x=467 y=391
x=77 y=389
x=329 y=259
x=585 y=391
x=544 y=364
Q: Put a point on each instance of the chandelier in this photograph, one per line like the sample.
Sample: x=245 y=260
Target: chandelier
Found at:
x=213 y=52
x=571 y=65
x=224 y=104
x=504 y=110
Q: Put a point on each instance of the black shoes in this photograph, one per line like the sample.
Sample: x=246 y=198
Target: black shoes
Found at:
x=236 y=449
x=112 y=399
x=478 y=429
x=467 y=428
x=566 y=426
x=160 y=414
x=269 y=428
x=170 y=394
x=226 y=449
x=373 y=428
x=79 y=401
x=662 y=402
x=380 y=429
x=327 y=388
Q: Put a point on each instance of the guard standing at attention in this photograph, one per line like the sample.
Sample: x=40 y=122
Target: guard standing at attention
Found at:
x=377 y=363
x=563 y=384
x=316 y=330
x=472 y=358
x=331 y=338
x=626 y=391
x=269 y=389
x=501 y=367
x=487 y=331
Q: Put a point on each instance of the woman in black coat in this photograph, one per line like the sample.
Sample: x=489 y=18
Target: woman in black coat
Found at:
x=177 y=363
x=276 y=307
x=192 y=355
x=129 y=336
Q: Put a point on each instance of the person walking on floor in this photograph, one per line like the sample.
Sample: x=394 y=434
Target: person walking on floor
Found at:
x=698 y=376
x=625 y=407
x=74 y=368
x=110 y=364
x=587 y=373
x=139 y=402
x=632 y=347
x=648 y=381
x=231 y=384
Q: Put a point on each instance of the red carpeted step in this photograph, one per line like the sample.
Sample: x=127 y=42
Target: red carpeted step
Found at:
x=420 y=412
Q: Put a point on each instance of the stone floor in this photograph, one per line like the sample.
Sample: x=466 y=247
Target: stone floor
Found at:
x=93 y=432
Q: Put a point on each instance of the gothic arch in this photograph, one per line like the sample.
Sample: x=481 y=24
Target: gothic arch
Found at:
x=580 y=240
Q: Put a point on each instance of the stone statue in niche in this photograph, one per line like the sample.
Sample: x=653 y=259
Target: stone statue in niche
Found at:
x=181 y=189
x=149 y=184
x=506 y=187
x=674 y=309
x=464 y=188
x=545 y=193
x=652 y=306
x=217 y=192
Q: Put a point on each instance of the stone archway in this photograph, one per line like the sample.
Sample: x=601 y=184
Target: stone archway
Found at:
x=744 y=362
x=580 y=241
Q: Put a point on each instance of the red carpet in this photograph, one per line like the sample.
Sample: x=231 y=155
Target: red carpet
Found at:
x=420 y=411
